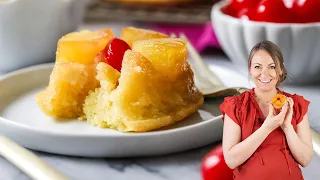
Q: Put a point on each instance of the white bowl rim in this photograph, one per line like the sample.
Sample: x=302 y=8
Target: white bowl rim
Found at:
x=216 y=8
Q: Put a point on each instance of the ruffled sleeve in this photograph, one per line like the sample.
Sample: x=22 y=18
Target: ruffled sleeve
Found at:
x=229 y=107
x=300 y=107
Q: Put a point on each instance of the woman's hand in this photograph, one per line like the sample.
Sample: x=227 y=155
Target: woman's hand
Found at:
x=288 y=118
x=274 y=121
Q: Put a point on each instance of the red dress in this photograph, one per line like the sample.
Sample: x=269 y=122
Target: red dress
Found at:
x=272 y=159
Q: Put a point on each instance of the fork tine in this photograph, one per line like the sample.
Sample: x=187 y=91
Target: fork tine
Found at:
x=201 y=82
x=201 y=64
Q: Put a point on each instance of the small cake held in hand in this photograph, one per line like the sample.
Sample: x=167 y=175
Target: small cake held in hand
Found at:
x=278 y=101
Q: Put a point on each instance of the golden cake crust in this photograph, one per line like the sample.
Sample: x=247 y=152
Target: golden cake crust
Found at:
x=69 y=85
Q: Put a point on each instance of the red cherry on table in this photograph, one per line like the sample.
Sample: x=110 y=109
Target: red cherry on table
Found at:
x=272 y=11
x=214 y=167
x=113 y=53
x=239 y=8
x=306 y=11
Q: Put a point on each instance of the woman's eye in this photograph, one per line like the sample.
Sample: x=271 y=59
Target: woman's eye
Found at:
x=272 y=67
x=257 y=67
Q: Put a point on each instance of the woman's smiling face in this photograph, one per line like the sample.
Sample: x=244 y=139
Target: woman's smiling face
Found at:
x=263 y=71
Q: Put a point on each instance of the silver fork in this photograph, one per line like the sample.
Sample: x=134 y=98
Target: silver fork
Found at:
x=207 y=82
x=27 y=161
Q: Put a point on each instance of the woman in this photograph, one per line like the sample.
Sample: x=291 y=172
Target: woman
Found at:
x=257 y=142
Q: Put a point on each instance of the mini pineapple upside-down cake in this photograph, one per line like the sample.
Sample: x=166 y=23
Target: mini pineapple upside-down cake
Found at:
x=142 y=86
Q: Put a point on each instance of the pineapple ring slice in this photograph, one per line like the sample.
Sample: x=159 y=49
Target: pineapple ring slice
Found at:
x=167 y=55
x=82 y=47
x=132 y=34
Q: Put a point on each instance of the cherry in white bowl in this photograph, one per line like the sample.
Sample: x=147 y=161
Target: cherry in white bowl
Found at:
x=297 y=36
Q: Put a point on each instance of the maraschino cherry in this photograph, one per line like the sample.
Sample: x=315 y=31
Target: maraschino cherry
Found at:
x=307 y=11
x=113 y=53
x=272 y=11
x=239 y=8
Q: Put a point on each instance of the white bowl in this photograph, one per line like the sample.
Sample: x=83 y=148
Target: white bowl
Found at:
x=299 y=43
x=30 y=29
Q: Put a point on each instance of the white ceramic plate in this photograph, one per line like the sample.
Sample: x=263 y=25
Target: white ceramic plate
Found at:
x=22 y=121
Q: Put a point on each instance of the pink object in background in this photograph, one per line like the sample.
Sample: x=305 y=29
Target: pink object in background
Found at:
x=201 y=36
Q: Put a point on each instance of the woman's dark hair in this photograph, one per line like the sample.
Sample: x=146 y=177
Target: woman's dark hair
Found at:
x=275 y=52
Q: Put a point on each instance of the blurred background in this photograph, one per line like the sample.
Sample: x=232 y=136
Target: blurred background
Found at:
x=161 y=11
x=191 y=17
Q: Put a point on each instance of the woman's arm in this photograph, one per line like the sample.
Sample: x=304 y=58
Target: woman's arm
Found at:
x=300 y=143
x=234 y=151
